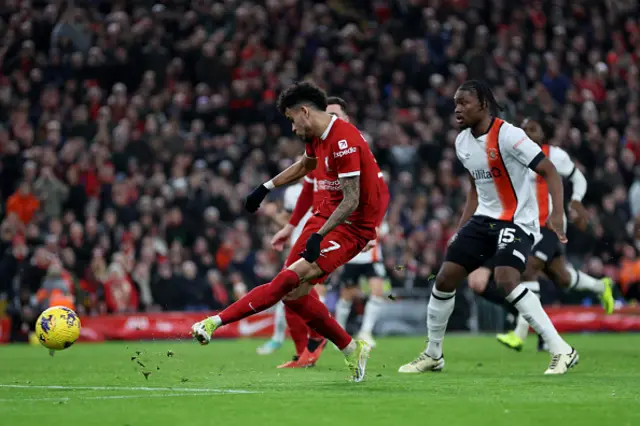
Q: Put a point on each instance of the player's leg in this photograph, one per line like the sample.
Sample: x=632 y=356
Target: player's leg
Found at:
x=481 y=283
x=315 y=342
x=510 y=257
x=264 y=296
x=515 y=339
x=348 y=292
x=308 y=343
x=280 y=327
x=465 y=253
x=375 y=304
x=564 y=275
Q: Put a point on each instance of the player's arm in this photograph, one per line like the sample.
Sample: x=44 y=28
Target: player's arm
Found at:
x=527 y=152
x=291 y=174
x=567 y=169
x=471 y=204
x=350 y=200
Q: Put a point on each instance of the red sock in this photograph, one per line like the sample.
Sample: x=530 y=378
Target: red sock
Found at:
x=261 y=298
x=297 y=328
x=317 y=316
x=314 y=335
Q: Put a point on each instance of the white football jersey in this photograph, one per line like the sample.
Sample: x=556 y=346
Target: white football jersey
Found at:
x=291 y=195
x=375 y=254
x=499 y=163
x=567 y=169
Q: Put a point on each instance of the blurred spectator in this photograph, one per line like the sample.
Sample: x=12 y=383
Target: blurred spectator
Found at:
x=130 y=132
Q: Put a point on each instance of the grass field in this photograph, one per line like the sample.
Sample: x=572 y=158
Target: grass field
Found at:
x=226 y=383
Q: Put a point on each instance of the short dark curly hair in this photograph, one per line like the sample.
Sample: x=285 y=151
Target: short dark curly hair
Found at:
x=336 y=100
x=300 y=93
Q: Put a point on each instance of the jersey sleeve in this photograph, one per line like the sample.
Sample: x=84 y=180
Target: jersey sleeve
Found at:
x=346 y=154
x=516 y=142
x=561 y=160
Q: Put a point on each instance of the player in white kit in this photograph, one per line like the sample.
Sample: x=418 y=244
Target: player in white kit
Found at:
x=291 y=195
x=500 y=221
x=548 y=254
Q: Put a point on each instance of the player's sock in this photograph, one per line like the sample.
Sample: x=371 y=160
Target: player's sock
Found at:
x=343 y=309
x=371 y=312
x=583 y=282
x=496 y=296
x=315 y=338
x=522 y=326
x=297 y=328
x=530 y=308
x=317 y=317
x=440 y=307
x=261 y=297
x=280 y=323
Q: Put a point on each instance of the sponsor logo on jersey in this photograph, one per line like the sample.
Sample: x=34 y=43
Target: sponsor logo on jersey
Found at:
x=493 y=153
x=329 y=185
x=342 y=144
x=344 y=152
x=482 y=175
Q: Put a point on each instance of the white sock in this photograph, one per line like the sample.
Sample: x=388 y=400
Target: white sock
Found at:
x=440 y=307
x=279 y=323
x=343 y=309
x=216 y=320
x=583 y=282
x=371 y=312
x=530 y=308
x=522 y=326
x=348 y=350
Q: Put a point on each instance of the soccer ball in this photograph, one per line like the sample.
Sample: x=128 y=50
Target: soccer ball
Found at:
x=58 y=328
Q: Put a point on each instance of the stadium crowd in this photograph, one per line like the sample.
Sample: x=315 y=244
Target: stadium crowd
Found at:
x=130 y=131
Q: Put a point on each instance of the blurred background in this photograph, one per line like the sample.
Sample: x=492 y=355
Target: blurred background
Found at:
x=130 y=131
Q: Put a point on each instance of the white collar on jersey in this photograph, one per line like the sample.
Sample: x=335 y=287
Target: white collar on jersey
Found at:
x=328 y=129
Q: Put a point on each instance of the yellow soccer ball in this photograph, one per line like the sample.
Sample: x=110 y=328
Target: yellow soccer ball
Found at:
x=58 y=328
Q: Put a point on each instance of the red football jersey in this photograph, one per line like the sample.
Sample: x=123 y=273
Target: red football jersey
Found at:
x=343 y=152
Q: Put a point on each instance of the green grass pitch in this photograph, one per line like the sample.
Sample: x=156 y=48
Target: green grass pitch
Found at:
x=227 y=384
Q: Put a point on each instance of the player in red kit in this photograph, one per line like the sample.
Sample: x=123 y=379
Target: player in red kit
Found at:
x=308 y=343
x=344 y=223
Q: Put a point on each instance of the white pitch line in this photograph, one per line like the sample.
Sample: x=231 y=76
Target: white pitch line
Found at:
x=124 y=388
x=65 y=399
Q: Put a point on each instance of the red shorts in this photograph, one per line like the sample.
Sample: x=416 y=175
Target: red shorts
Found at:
x=338 y=247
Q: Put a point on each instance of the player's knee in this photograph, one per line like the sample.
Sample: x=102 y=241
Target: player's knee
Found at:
x=478 y=279
x=532 y=269
x=377 y=287
x=506 y=278
x=305 y=270
x=447 y=279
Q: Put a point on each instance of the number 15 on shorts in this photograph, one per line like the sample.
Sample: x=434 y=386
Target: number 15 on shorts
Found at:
x=506 y=236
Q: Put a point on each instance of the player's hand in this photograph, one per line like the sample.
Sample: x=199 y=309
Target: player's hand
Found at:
x=371 y=244
x=281 y=237
x=579 y=215
x=312 y=251
x=556 y=224
x=253 y=200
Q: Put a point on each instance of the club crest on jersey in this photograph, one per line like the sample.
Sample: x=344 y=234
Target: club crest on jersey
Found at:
x=493 y=153
x=342 y=144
